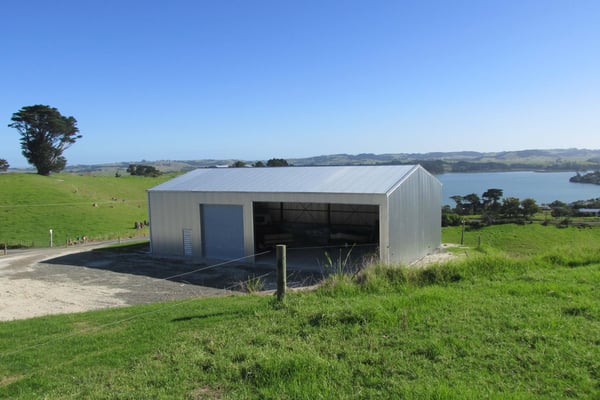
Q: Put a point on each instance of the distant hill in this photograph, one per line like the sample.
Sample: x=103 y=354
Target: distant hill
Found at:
x=435 y=162
x=540 y=157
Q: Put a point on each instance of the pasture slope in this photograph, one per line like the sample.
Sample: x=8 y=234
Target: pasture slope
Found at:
x=73 y=206
x=501 y=322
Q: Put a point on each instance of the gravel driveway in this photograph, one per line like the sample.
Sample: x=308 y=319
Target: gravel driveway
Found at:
x=94 y=276
x=66 y=280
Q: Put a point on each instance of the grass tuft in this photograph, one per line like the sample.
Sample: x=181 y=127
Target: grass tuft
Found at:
x=253 y=284
x=572 y=257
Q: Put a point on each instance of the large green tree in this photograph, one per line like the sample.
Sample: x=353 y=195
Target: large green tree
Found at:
x=3 y=164
x=45 y=135
x=511 y=207
x=491 y=198
x=473 y=203
x=529 y=207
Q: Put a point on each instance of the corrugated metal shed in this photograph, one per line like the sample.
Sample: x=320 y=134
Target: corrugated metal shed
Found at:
x=397 y=207
x=350 y=179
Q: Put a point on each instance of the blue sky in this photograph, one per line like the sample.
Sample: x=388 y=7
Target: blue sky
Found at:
x=254 y=80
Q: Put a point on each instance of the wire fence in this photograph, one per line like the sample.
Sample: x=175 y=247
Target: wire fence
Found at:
x=61 y=337
x=252 y=280
x=68 y=241
x=16 y=244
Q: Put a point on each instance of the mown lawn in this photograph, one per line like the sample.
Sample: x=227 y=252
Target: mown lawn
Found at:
x=487 y=326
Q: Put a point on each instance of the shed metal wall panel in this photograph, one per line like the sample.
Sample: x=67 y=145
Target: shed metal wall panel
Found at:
x=169 y=216
x=414 y=217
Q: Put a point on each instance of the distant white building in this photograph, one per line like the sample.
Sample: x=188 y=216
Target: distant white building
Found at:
x=590 y=211
x=235 y=212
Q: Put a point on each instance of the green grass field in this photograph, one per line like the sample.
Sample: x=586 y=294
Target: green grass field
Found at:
x=506 y=321
x=31 y=204
x=524 y=240
x=516 y=317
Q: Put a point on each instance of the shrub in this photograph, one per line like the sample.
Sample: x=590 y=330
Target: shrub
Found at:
x=475 y=224
x=143 y=170
x=451 y=219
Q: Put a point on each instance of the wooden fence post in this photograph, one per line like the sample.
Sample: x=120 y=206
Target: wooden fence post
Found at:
x=280 y=254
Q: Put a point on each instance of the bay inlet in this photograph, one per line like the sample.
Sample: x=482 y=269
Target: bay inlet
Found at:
x=544 y=187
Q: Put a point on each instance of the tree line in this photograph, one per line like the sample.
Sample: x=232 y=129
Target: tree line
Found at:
x=273 y=162
x=574 y=209
x=491 y=207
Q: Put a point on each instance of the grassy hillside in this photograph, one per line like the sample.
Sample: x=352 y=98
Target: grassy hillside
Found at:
x=488 y=326
x=525 y=240
x=72 y=205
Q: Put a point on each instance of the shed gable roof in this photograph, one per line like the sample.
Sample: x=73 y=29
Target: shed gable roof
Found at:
x=344 y=179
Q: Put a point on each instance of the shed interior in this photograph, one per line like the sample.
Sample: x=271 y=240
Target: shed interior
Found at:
x=314 y=224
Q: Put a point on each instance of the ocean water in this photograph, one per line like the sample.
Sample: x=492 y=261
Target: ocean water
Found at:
x=544 y=187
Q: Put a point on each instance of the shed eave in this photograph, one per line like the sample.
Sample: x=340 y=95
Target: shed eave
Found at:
x=269 y=193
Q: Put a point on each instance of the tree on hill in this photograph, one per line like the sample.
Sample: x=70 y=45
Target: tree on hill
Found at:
x=529 y=208
x=560 y=209
x=511 y=207
x=238 y=164
x=277 y=162
x=458 y=199
x=491 y=198
x=143 y=170
x=45 y=135
x=473 y=203
x=3 y=164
